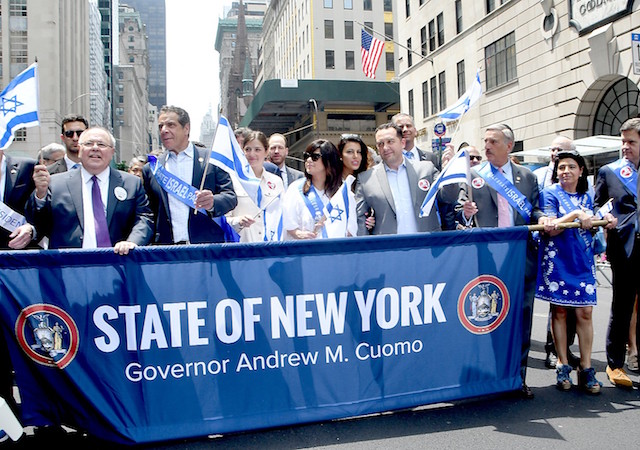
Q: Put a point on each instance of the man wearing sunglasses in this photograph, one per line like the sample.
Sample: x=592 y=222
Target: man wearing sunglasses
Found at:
x=72 y=127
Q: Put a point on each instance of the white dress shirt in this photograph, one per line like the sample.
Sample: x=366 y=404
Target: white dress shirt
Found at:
x=401 y=192
x=89 y=226
x=180 y=165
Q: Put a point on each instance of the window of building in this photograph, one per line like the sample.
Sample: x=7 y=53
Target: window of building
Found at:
x=434 y=95
x=328 y=29
x=18 y=8
x=20 y=135
x=619 y=104
x=491 y=5
x=425 y=99
x=442 y=85
x=500 y=61
x=432 y=35
x=131 y=39
x=349 y=60
x=329 y=59
x=440 y=22
x=328 y=3
x=368 y=26
x=423 y=40
x=410 y=102
x=132 y=59
x=348 y=29
x=121 y=98
x=388 y=30
x=407 y=8
x=367 y=5
x=458 y=16
x=390 y=62
x=462 y=87
x=388 y=5
x=409 y=53
x=348 y=4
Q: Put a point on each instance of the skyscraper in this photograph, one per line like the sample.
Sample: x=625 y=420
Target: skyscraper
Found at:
x=153 y=15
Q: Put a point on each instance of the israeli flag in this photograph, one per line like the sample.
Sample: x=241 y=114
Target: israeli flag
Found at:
x=227 y=154
x=465 y=102
x=604 y=209
x=457 y=171
x=340 y=217
x=19 y=105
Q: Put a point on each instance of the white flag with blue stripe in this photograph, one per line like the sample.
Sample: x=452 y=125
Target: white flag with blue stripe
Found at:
x=340 y=217
x=227 y=154
x=458 y=170
x=465 y=102
x=19 y=105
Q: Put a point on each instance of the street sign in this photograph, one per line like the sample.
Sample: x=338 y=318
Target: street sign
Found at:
x=438 y=145
x=440 y=129
x=635 y=50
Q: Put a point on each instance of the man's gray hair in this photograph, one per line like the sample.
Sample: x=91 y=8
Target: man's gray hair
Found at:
x=631 y=124
x=504 y=129
x=48 y=150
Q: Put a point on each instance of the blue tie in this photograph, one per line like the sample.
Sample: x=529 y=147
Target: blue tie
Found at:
x=409 y=155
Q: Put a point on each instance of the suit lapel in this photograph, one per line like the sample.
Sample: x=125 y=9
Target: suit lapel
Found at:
x=162 y=160
x=74 y=184
x=383 y=182
x=412 y=176
x=517 y=181
x=198 y=168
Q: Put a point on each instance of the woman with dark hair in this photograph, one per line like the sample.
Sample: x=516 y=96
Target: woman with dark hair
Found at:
x=257 y=217
x=353 y=153
x=305 y=198
x=567 y=276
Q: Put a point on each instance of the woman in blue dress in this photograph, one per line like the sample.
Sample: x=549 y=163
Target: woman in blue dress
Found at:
x=567 y=275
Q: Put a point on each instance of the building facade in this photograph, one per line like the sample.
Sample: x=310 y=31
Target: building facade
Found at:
x=153 y=14
x=547 y=67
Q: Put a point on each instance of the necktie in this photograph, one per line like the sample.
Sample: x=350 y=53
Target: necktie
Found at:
x=503 y=210
x=99 y=218
x=409 y=155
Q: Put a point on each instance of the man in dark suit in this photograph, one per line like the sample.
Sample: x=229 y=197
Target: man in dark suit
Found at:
x=93 y=206
x=72 y=127
x=175 y=221
x=409 y=133
x=278 y=152
x=16 y=184
x=619 y=181
x=490 y=208
x=395 y=189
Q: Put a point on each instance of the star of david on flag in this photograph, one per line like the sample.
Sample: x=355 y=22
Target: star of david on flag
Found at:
x=19 y=105
x=341 y=220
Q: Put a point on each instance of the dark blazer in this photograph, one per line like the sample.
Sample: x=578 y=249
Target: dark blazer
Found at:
x=202 y=229
x=62 y=216
x=292 y=174
x=19 y=186
x=428 y=155
x=373 y=192
x=624 y=209
x=486 y=198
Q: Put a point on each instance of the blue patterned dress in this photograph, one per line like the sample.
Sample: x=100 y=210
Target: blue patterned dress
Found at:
x=567 y=273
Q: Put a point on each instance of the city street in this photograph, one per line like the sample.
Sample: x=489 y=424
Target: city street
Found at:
x=553 y=419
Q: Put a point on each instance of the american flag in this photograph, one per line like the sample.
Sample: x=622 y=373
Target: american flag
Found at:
x=371 y=52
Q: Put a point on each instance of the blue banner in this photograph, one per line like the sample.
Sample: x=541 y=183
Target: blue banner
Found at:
x=185 y=341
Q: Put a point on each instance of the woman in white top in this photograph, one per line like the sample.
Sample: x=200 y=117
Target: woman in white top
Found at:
x=258 y=217
x=306 y=197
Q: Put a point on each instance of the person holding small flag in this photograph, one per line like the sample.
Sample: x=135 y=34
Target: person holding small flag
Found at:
x=305 y=200
x=174 y=184
x=619 y=181
x=258 y=217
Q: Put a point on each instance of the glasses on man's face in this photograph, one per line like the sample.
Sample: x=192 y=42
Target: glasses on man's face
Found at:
x=350 y=136
x=475 y=158
x=70 y=133
x=91 y=144
x=313 y=156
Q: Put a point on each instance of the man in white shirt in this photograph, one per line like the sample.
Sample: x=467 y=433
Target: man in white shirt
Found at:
x=92 y=206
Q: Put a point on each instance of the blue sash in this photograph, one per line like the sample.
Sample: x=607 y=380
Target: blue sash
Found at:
x=504 y=187
x=630 y=183
x=314 y=205
x=187 y=195
x=565 y=201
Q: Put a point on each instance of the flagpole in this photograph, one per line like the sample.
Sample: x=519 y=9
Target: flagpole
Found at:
x=206 y=166
x=386 y=38
x=38 y=110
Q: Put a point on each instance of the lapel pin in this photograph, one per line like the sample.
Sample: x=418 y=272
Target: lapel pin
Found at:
x=120 y=193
